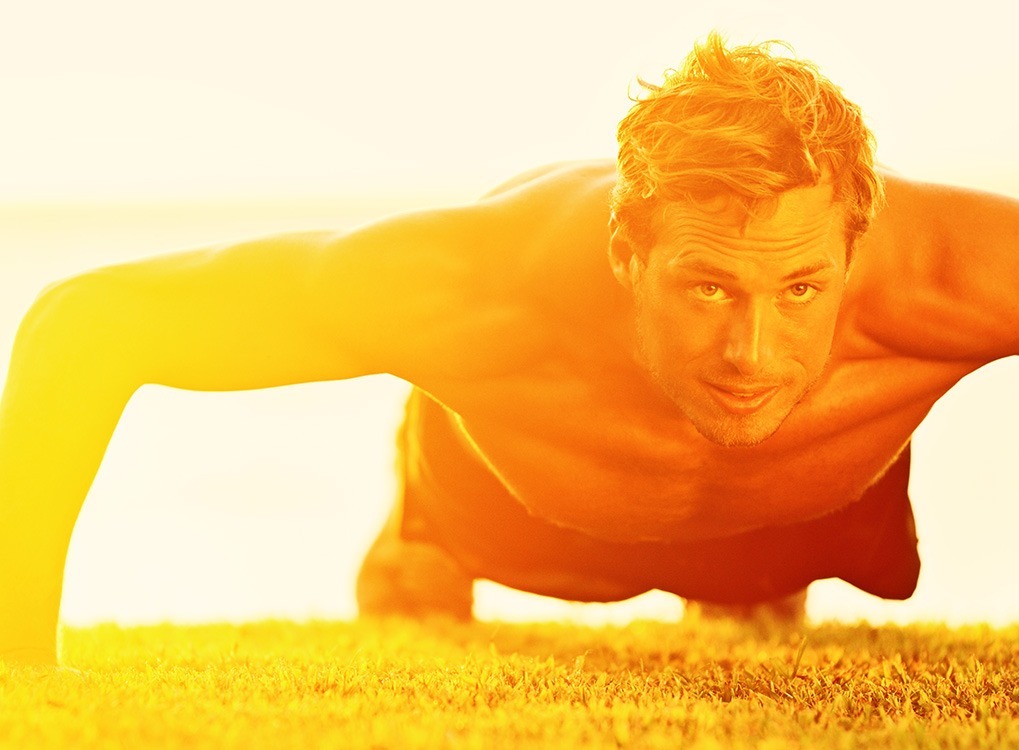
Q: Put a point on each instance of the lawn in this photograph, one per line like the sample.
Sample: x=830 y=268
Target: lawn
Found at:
x=396 y=684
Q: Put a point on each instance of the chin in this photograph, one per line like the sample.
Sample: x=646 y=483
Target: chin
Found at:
x=737 y=432
x=730 y=430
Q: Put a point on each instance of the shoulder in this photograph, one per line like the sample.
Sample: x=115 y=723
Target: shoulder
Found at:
x=948 y=221
x=566 y=175
x=555 y=226
x=474 y=291
x=937 y=275
x=544 y=228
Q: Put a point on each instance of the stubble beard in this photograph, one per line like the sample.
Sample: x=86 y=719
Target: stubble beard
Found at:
x=724 y=429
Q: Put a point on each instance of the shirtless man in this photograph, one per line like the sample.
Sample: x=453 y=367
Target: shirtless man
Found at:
x=697 y=369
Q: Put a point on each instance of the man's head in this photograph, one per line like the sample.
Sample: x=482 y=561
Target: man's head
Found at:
x=743 y=184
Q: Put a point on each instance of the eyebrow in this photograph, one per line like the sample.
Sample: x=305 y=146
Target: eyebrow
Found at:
x=809 y=270
x=709 y=270
x=716 y=272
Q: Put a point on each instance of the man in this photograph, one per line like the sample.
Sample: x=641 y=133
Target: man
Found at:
x=697 y=369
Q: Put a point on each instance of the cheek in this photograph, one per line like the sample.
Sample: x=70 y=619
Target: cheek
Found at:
x=809 y=338
x=675 y=334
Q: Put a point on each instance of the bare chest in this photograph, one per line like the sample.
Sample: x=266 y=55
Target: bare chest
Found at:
x=612 y=458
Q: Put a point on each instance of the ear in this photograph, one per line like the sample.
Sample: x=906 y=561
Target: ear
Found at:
x=624 y=261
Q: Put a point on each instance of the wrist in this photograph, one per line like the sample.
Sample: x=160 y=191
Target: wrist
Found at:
x=29 y=656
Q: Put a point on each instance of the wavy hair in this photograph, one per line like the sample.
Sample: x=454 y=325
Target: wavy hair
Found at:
x=746 y=124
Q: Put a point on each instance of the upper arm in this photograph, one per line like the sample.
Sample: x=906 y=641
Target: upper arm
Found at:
x=406 y=296
x=947 y=275
x=427 y=296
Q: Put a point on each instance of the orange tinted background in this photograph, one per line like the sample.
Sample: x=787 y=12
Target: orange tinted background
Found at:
x=128 y=133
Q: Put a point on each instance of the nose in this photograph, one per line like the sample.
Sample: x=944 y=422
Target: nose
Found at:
x=750 y=343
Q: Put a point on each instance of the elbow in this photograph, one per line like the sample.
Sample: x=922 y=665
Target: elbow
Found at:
x=83 y=324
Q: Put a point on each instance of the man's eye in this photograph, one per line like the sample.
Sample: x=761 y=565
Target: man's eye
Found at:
x=710 y=291
x=801 y=292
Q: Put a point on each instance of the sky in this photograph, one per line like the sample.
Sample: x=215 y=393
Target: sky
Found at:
x=133 y=128
x=118 y=98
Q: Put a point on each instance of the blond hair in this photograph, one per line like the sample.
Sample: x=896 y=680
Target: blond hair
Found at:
x=747 y=124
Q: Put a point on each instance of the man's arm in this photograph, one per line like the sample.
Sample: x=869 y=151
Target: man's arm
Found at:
x=943 y=263
x=389 y=298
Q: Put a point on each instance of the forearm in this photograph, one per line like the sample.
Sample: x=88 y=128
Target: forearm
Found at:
x=66 y=387
x=227 y=319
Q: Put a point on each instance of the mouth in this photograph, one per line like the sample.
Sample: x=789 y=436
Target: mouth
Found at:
x=742 y=399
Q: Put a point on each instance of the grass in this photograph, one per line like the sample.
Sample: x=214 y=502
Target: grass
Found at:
x=396 y=684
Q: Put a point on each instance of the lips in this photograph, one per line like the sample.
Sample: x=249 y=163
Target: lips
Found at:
x=742 y=398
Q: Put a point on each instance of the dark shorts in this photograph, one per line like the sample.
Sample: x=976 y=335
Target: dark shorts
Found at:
x=451 y=498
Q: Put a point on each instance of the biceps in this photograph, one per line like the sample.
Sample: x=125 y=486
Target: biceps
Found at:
x=231 y=318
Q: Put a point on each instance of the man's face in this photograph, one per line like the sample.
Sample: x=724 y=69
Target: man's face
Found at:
x=735 y=328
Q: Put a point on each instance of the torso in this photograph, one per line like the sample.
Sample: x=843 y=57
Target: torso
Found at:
x=578 y=434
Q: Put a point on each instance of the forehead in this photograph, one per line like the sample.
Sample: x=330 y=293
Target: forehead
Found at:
x=804 y=223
